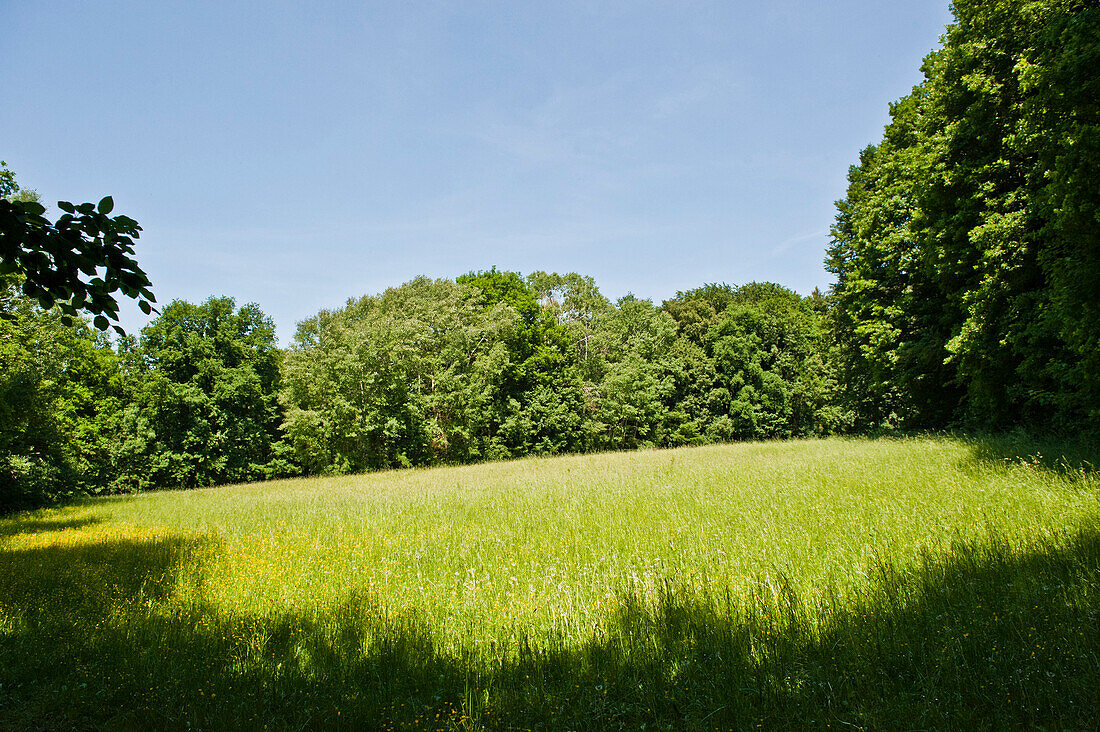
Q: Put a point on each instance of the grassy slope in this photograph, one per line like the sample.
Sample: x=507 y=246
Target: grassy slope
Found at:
x=909 y=583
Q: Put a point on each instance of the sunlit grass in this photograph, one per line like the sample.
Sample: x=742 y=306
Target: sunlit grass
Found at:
x=774 y=583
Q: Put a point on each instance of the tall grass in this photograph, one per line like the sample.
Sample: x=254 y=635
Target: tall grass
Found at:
x=914 y=583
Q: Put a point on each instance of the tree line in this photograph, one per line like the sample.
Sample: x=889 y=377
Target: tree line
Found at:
x=967 y=294
x=489 y=366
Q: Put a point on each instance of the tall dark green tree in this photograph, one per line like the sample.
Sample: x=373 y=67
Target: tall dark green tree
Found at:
x=412 y=376
x=965 y=250
x=61 y=391
x=769 y=352
x=205 y=408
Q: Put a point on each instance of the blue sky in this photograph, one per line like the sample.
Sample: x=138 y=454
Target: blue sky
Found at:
x=298 y=154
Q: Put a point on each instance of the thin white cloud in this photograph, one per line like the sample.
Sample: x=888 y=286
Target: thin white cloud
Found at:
x=798 y=240
x=703 y=86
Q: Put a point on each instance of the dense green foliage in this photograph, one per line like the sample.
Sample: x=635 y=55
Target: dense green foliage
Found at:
x=193 y=402
x=496 y=366
x=490 y=366
x=61 y=392
x=203 y=406
x=966 y=251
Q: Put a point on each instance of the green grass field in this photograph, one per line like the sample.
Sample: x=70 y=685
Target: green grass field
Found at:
x=900 y=583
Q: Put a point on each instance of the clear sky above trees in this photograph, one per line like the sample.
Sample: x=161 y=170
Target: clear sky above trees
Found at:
x=299 y=154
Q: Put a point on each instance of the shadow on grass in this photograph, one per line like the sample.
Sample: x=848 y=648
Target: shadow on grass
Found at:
x=979 y=636
x=1072 y=457
x=30 y=524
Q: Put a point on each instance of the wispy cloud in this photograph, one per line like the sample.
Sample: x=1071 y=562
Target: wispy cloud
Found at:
x=687 y=94
x=799 y=240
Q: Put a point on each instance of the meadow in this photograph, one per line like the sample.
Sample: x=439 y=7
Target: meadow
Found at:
x=912 y=583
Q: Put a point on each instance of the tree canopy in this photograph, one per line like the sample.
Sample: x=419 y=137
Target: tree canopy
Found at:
x=966 y=249
x=78 y=262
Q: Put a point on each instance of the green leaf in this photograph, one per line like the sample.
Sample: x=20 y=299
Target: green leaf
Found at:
x=101 y=322
x=106 y=205
x=145 y=307
x=66 y=207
